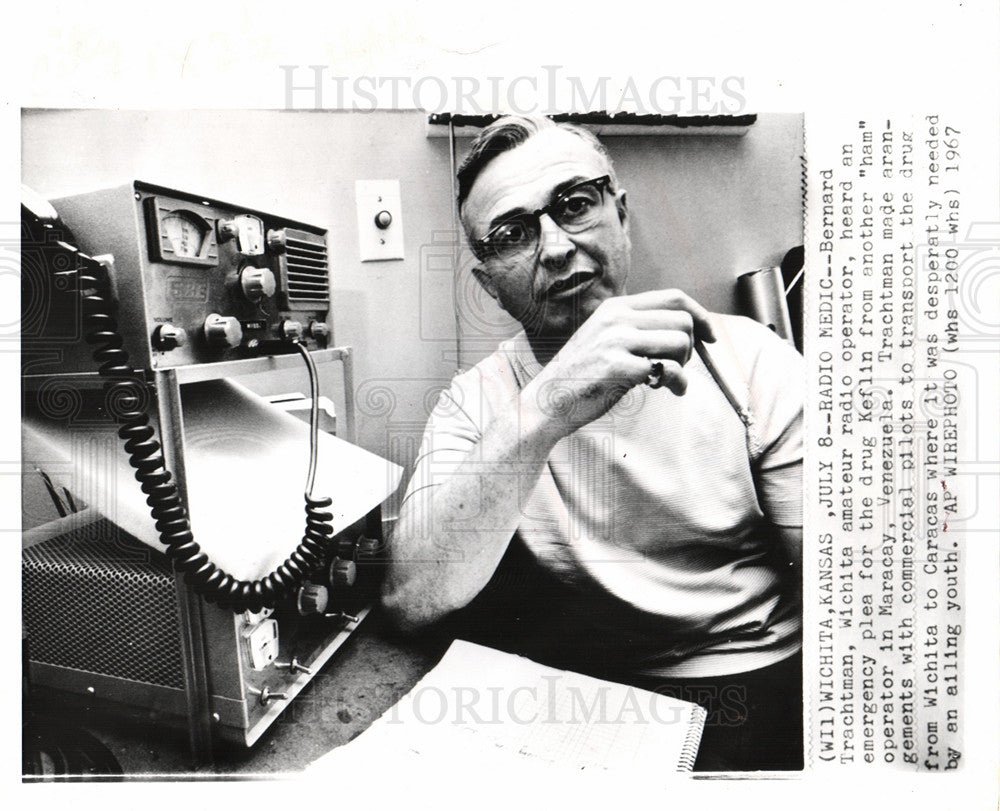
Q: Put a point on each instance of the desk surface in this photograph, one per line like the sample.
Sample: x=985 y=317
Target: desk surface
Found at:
x=364 y=678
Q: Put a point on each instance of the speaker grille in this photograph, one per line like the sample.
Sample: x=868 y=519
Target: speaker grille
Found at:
x=97 y=600
x=305 y=272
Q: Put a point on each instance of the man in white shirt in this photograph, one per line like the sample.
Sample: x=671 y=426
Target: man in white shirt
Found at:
x=643 y=487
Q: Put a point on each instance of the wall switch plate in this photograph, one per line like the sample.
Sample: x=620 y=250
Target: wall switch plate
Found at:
x=380 y=219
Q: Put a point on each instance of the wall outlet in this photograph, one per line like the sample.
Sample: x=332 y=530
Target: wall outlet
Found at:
x=380 y=219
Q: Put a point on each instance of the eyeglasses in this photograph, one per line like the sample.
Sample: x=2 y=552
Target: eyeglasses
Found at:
x=574 y=210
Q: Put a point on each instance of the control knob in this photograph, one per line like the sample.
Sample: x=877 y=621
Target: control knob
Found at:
x=276 y=240
x=257 y=283
x=291 y=330
x=343 y=573
x=223 y=331
x=167 y=337
x=368 y=548
x=319 y=330
x=312 y=599
x=227 y=230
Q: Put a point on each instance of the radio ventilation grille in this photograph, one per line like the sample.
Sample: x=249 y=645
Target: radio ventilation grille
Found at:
x=305 y=272
x=96 y=600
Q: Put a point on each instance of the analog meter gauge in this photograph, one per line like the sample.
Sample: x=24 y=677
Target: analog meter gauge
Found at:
x=185 y=234
x=179 y=235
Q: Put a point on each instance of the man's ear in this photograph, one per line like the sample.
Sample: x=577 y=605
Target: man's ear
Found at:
x=484 y=278
x=621 y=204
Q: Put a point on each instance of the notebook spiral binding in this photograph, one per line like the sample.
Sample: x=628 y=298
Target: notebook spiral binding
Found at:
x=689 y=751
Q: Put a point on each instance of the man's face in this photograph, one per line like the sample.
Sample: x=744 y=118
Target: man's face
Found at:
x=554 y=289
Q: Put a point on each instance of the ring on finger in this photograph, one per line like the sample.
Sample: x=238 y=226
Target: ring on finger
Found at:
x=655 y=377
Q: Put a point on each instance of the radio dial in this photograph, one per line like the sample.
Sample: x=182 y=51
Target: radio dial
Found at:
x=167 y=337
x=227 y=230
x=368 y=547
x=257 y=283
x=343 y=573
x=223 y=332
x=312 y=599
x=291 y=330
x=319 y=330
x=276 y=240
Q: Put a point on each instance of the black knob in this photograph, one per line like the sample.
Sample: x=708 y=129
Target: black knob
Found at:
x=343 y=573
x=368 y=548
x=313 y=599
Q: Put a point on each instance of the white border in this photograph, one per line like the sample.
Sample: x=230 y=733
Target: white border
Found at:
x=844 y=56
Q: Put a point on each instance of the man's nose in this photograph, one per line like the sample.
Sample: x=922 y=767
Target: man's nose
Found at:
x=554 y=245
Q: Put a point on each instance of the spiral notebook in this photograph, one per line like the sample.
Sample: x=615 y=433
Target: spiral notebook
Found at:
x=482 y=703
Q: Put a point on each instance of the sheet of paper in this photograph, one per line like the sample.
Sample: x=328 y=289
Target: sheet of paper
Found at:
x=482 y=702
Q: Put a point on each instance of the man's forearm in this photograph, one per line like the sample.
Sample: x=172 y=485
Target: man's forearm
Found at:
x=451 y=535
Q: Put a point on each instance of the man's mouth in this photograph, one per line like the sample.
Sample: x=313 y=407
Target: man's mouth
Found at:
x=571 y=285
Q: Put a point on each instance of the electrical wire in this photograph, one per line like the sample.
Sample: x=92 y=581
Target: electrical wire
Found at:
x=319 y=526
x=313 y=416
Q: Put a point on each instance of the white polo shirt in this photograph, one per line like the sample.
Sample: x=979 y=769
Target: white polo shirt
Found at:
x=658 y=515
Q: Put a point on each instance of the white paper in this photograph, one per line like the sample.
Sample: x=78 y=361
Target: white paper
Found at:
x=479 y=702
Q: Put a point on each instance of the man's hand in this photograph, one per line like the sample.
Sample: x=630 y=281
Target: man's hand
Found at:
x=451 y=535
x=612 y=352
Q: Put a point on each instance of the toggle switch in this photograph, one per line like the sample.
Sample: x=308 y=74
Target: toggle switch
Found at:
x=343 y=617
x=266 y=695
x=294 y=666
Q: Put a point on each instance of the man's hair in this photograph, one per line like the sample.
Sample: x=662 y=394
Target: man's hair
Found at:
x=507 y=133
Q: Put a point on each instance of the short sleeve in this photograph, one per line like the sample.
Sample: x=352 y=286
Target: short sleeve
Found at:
x=772 y=379
x=776 y=395
x=452 y=431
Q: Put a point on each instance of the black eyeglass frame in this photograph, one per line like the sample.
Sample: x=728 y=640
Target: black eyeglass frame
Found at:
x=483 y=248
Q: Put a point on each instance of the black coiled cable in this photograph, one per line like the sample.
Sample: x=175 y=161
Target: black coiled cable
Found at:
x=125 y=388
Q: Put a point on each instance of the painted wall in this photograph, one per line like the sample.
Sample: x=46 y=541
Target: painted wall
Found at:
x=705 y=209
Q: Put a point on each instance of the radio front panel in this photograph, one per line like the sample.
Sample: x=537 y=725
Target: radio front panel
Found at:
x=200 y=281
